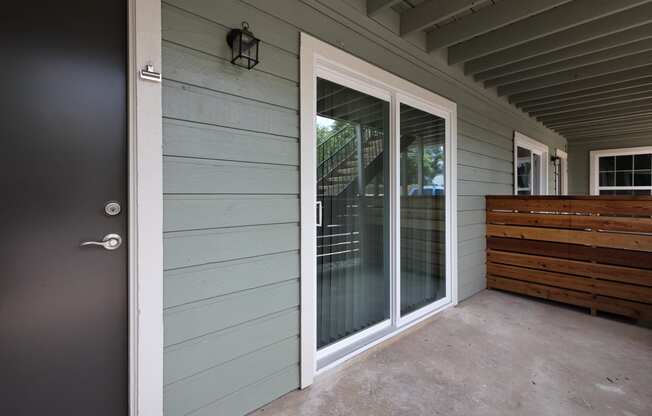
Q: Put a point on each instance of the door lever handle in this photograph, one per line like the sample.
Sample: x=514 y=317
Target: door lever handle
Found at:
x=109 y=242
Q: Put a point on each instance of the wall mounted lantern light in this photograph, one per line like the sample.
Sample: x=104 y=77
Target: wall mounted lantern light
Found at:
x=244 y=47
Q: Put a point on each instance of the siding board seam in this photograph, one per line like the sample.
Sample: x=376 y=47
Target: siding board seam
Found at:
x=259 y=381
x=184 y=378
x=235 y=292
x=242 y=97
x=249 y=162
x=229 y=127
x=228 y=260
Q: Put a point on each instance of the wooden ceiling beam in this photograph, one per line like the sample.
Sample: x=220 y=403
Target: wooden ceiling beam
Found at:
x=430 y=12
x=609 y=96
x=595 y=29
x=578 y=74
x=596 y=105
x=376 y=6
x=557 y=19
x=600 y=119
x=578 y=62
x=585 y=84
x=563 y=55
x=485 y=20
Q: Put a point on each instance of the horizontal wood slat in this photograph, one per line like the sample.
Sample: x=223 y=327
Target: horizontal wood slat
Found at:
x=581 y=268
x=611 y=240
x=603 y=205
x=575 y=222
x=639 y=259
x=594 y=252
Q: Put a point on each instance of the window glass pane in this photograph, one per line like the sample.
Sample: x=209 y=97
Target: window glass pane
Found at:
x=643 y=162
x=422 y=209
x=624 y=178
x=607 y=164
x=607 y=192
x=536 y=177
x=353 y=286
x=642 y=178
x=642 y=192
x=607 y=179
x=624 y=192
x=523 y=170
x=624 y=162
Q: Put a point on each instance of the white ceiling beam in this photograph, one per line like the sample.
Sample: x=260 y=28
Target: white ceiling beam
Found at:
x=376 y=6
x=573 y=36
x=485 y=20
x=430 y=12
x=585 y=84
x=570 y=14
x=579 y=62
x=575 y=74
x=585 y=48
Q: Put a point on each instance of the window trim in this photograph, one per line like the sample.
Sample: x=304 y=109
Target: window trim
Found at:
x=534 y=146
x=319 y=58
x=594 y=171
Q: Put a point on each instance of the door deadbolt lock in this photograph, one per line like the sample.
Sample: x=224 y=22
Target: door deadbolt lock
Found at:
x=112 y=208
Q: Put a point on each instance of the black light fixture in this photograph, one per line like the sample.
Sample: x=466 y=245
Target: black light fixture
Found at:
x=244 y=47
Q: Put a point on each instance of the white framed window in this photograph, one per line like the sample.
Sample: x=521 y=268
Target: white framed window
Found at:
x=530 y=166
x=626 y=171
x=378 y=180
x=561 y=172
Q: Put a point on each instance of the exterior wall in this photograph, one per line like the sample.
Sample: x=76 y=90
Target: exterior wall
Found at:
x=578 y=160
x=231 y=184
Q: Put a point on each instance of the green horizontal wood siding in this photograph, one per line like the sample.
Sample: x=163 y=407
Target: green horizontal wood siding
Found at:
x=231 y=185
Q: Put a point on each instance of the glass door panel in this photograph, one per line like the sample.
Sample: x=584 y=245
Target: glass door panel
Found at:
x=524 y=171
x=353 y=286
x=422 y=208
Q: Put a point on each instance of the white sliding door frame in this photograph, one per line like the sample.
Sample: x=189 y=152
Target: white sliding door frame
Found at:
x=535 y=147
x=319 y=59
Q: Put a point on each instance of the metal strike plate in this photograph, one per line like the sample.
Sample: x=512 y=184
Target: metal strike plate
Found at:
x=150 y=75
x=112 y=208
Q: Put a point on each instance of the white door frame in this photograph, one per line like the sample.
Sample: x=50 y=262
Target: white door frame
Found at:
x=521 y=140
x=145 y=212
x=319 y=58
x=563 y=171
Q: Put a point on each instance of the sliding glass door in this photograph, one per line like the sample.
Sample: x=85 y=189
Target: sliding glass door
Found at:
x=353 y=283
x=378 y=165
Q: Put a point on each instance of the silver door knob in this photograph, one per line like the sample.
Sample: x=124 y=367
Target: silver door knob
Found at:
x=109 y=242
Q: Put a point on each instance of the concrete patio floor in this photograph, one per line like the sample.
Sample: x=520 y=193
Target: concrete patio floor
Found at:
x=495 y=354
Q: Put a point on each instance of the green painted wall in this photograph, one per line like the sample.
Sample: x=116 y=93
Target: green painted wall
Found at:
x=231 y=183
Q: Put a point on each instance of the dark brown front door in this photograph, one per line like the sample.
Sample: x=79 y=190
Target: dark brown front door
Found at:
x=63 y=130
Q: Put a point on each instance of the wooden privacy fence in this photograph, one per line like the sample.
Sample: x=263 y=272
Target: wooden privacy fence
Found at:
x=594 y=252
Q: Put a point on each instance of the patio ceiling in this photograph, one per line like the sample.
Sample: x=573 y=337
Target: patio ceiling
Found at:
x=581 y=67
